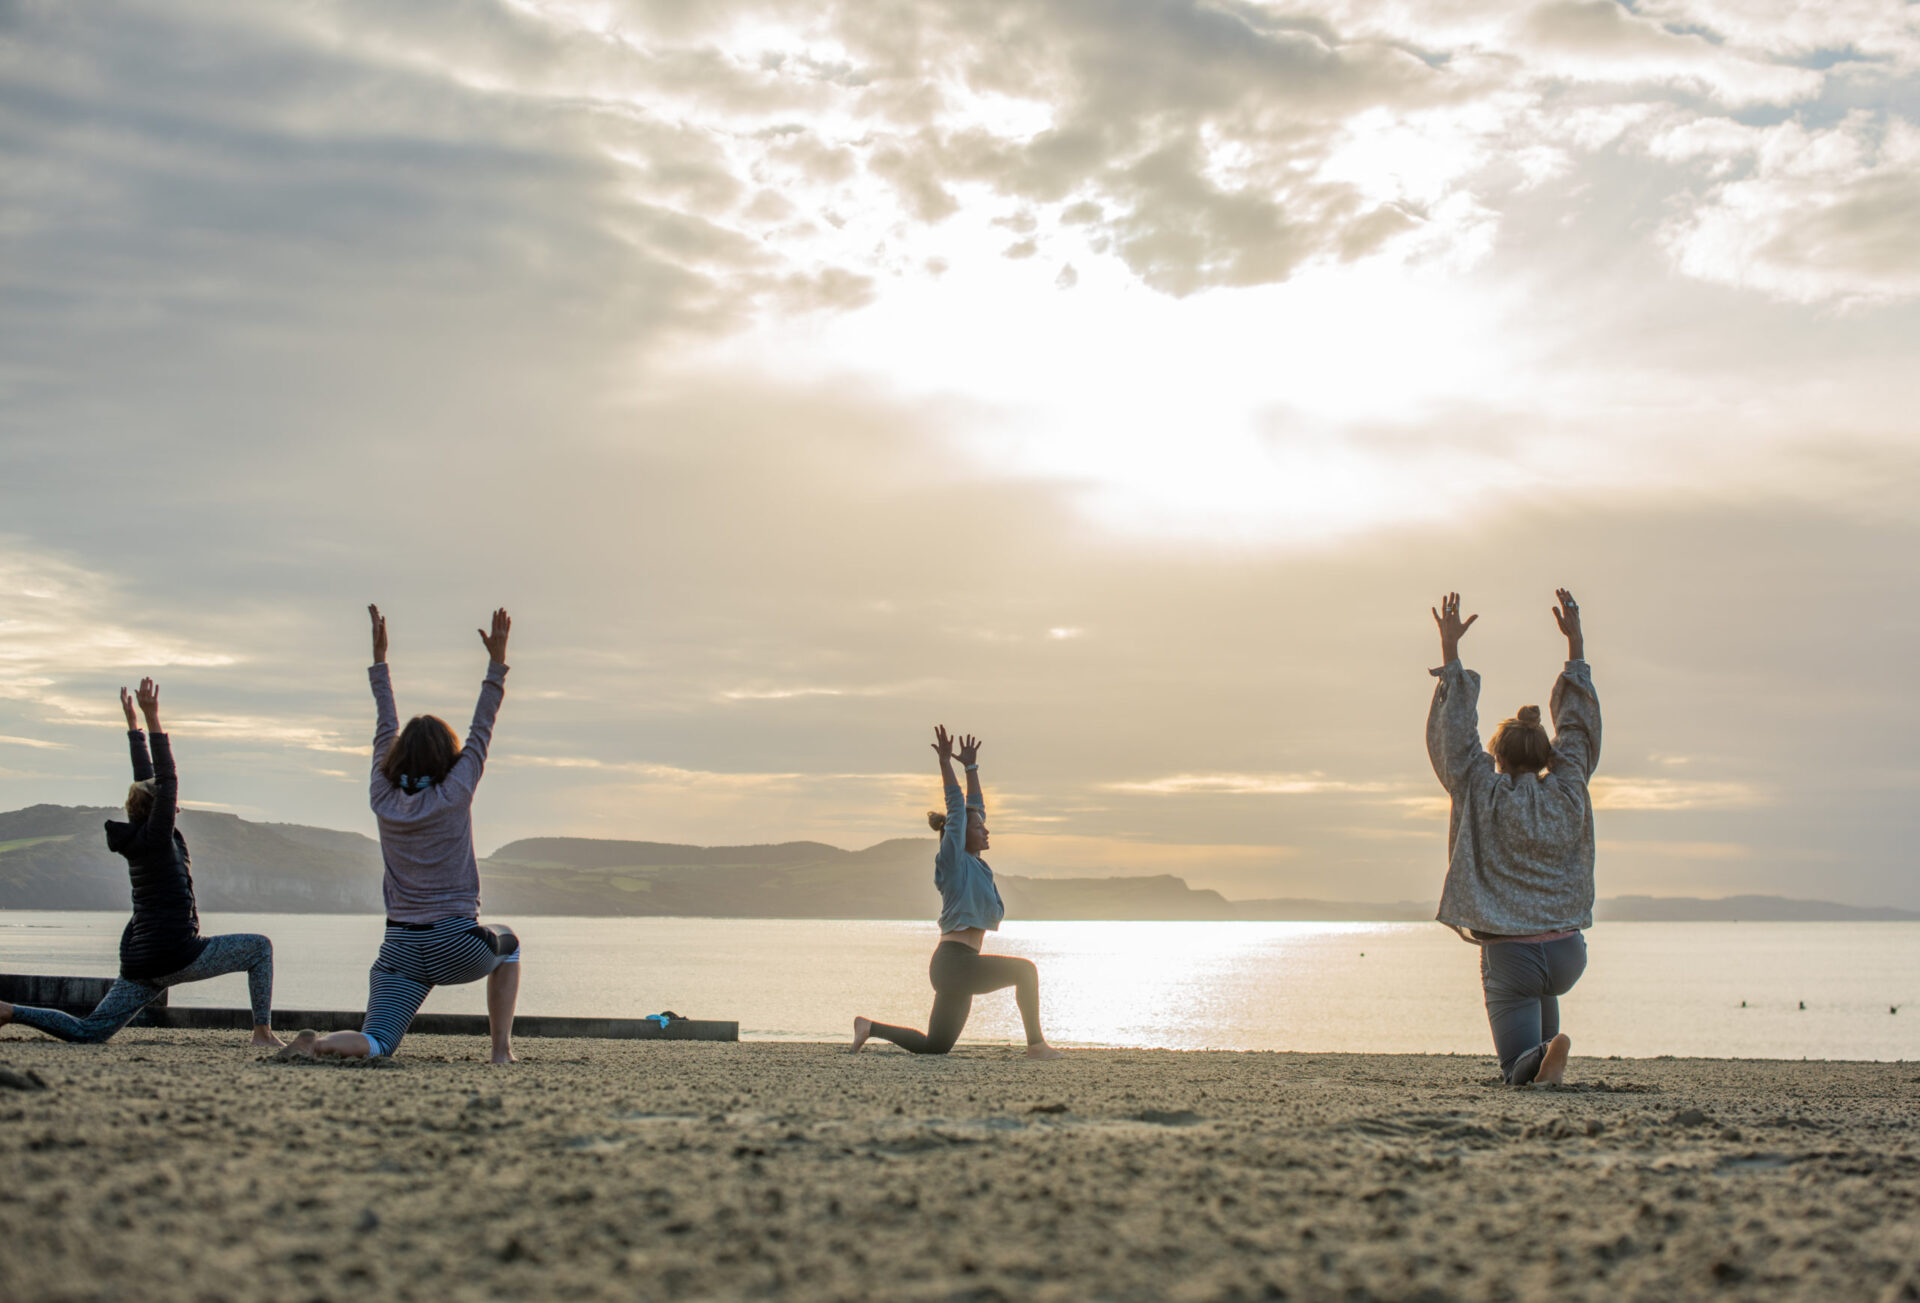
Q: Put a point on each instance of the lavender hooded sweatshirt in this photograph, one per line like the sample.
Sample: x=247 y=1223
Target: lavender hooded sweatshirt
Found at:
x=426 y=837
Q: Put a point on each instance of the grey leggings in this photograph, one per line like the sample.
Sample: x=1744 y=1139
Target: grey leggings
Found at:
x=1524 y=981
x=237 y=952
x=958 y=973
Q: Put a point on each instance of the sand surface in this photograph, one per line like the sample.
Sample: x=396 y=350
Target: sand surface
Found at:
x=181 y=1165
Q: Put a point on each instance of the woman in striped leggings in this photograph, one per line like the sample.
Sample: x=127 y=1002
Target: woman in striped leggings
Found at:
x=422 y=794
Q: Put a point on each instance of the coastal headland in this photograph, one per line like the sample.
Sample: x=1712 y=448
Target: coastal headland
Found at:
x=180 y=1165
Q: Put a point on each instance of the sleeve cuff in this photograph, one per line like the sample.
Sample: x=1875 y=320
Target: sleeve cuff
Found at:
x=496 y=672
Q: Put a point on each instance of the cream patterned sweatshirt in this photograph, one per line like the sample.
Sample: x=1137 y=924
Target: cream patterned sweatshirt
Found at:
x=1520 y=849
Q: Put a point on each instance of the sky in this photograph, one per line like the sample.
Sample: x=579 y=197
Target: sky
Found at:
x=1121 y=382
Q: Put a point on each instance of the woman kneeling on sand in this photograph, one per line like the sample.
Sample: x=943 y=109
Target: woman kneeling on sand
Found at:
x=1520 y=843
x=162 y=945
x=969 y=908
x=423 y=785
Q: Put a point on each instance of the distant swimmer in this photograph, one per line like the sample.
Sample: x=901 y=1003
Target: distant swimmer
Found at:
x=1519 y=843
x=422 y=796
x=162 y=945
x=969 y=908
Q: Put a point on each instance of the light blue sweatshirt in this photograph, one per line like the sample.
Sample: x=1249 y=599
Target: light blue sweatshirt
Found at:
x=968 y=896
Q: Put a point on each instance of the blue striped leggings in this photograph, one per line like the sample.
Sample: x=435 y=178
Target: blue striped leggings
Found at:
x=415 y=958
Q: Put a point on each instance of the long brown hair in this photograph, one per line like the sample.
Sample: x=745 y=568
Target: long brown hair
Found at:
x=1520 y=745
x=423 y=754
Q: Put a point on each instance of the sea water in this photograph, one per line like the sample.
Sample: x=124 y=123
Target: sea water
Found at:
x=1712 y=989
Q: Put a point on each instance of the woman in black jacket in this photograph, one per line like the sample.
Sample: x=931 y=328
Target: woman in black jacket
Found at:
x=162 y=945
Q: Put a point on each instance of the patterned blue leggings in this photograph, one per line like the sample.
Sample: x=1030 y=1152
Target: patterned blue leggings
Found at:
x=415 y=958
x=237 y=952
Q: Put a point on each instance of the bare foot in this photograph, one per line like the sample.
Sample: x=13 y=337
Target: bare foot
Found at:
x=264 y=1039
x=1553 y=1066
x=300 y=1047
x=862 y=1028
x=1044 y=1051
x=501 y=1058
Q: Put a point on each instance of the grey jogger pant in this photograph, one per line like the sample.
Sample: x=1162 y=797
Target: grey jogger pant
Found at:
x=237 y=952
x=1523 y=982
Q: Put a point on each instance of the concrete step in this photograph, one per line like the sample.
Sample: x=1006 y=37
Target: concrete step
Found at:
x=78 y=996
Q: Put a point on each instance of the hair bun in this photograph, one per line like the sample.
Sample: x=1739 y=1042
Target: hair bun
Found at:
x=1529 y=716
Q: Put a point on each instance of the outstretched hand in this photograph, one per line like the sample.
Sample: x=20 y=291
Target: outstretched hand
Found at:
x=497 y=640
x=942 y=744
x=1567 y=616
x=379 y=635
x=1452 y=627
x=149 y=698
x=969 y=750
x=126 y=708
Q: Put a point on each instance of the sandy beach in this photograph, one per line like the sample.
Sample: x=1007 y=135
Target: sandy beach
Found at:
x=177 y=1165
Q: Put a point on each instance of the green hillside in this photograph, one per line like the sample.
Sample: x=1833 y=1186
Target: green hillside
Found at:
x=56 y=857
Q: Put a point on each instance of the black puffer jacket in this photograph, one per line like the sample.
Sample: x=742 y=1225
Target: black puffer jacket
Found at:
x=163 y=936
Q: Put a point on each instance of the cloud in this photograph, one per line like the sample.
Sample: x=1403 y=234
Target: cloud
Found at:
x=40 y=744
x=1243 y=785
x=1807 y=215
x=1710 y=851
x=63 y=619
x=1610 y=793
x=1602 y=40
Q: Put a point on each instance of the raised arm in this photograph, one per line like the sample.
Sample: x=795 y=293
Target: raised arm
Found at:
x=970 y=759
x=465 y=775
x=1453 y=720
x=386 y=720
x=166 y=780
x=136 y=740
x=953 y=837
x=1576 y=707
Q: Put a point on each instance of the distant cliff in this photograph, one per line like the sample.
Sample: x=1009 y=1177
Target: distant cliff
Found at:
x=56 y=857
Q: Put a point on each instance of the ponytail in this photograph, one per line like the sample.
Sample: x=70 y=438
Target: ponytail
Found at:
x=936 y=821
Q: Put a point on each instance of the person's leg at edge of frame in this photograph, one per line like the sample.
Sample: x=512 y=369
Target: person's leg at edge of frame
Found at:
x=503 y=993
x=123 y=1000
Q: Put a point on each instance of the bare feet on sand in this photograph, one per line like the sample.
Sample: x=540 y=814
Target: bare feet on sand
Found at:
x=1553 y=1065
x=300 y=1047
x=501 y=1058
x=264 y=1039
x=1044 y=1051
x=862 y=1028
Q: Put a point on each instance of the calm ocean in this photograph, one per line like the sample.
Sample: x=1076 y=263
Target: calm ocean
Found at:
x=1650 y=988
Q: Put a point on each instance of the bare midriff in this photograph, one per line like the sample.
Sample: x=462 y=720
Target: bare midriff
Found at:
x=970 y=937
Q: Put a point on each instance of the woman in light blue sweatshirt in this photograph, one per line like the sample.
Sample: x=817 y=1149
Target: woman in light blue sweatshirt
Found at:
x=422 y=794
x=969 y=908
